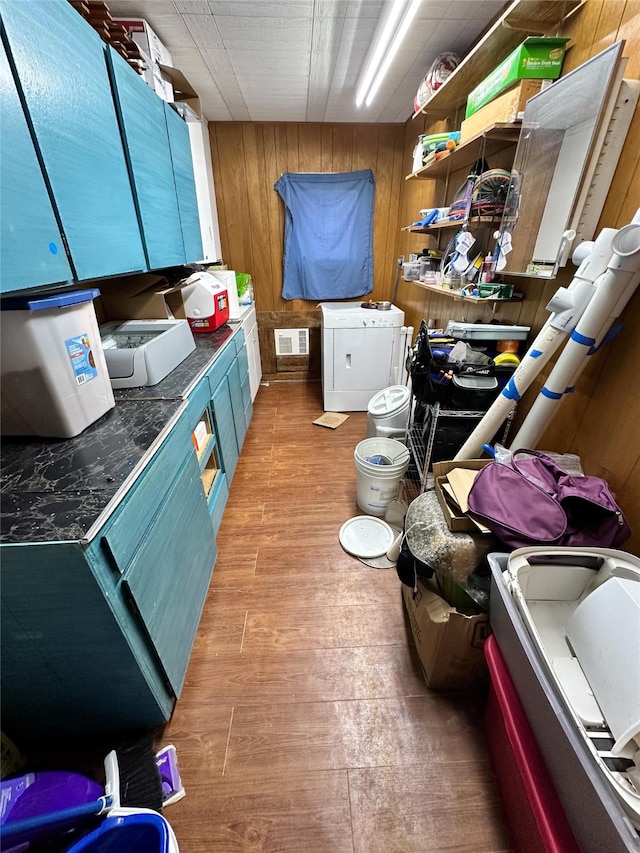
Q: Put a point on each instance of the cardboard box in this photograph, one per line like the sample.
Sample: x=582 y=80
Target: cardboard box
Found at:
x=455 y=522
x=449 y=642
x=537 y=57
x=140 y=297
x=146 y=39
x=507 y=107
x=184 y=94
x=154 y=54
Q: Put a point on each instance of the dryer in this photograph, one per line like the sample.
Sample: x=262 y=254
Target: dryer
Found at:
x=363 y=351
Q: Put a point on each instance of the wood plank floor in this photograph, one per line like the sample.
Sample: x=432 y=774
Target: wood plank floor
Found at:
x=305 y=723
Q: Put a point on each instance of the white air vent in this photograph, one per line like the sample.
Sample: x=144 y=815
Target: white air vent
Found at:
x=292 y=341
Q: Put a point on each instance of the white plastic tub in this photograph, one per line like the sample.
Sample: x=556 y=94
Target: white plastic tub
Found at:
x=388 y=412
x=55 y=380
x=586 y=628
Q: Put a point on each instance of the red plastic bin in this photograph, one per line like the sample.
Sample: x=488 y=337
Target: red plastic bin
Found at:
x=534 y=811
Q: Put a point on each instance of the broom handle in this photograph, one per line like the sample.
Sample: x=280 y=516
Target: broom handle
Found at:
x=62 y=816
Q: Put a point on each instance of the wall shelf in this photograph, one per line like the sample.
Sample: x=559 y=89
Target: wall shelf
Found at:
x=453 y=294
x=488 y=142
x=453 y=223
x=522 y=17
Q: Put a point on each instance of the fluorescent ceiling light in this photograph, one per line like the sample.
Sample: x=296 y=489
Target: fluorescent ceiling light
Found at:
x=386 y=46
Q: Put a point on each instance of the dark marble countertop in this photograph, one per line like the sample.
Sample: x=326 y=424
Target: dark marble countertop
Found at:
x=58 y=489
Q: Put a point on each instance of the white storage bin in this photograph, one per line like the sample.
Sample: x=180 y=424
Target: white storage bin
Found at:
x=54 y=375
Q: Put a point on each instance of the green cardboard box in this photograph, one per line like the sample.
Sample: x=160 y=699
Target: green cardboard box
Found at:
x=538 y=57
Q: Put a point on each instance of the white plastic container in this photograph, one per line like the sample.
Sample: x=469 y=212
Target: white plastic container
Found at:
x=388 y=412
x=54 y=375
x=228 y=280
x=379 y=481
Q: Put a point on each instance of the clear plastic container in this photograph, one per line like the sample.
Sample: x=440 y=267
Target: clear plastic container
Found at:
x=55 y=380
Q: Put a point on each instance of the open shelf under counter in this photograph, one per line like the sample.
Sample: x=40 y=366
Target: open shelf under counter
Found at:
x=488 y=142
x=523 y=17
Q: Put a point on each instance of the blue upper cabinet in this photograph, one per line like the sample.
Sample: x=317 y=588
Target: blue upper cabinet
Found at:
x=185 y=184
x=32 y=252
x=62 y=72
x=144 y=129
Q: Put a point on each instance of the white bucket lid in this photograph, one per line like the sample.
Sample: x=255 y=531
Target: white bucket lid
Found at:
x=388 y=401
x=366 y=536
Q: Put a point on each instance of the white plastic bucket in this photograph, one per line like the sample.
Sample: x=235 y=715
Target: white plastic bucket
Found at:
x=379 y=481
x=388 y=412
x=55 y=380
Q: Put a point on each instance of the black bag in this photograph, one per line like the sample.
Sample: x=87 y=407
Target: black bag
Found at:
x=427 y=382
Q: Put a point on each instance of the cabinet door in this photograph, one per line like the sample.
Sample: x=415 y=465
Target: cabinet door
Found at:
x=255 y=363
x=31 y=249
x=62 y=74
x=237 y=401
x=168 y=578
x=144 y=128
x=224 y=420
x=185 y=183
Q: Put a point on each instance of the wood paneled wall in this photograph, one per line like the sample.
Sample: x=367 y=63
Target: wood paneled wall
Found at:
x=248 y=159
x=600 y=422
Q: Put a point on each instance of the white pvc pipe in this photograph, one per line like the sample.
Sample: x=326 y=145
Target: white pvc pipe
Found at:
x=614 y=289
x=544 y=346
x=567 y=305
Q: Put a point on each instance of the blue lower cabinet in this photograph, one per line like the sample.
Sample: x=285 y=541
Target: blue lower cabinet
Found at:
x=98 y=636
x=60 y=71
x=218 y=502
x=168 y=579
x=72 y=655
x=225 y=426
x=32 y=252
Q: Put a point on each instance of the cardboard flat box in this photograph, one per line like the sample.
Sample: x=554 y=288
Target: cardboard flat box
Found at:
x=507 y=107
x=141 y=297
x=538 y=57
x=458 y=523
x=449 y=642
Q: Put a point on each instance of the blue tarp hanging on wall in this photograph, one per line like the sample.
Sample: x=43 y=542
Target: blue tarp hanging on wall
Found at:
x=328 y=234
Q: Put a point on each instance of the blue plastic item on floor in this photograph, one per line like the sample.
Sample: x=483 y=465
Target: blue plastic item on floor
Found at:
x=129 y=831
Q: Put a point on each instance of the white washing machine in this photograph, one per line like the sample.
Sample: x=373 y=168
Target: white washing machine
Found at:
x=363 y=351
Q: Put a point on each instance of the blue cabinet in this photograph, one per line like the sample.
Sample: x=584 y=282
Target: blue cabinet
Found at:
x=185 y=183
x=32 y=252
x=144 y=128
x=97 y=635
x=62 y=76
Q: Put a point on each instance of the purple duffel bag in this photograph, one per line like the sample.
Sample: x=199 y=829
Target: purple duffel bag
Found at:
x=530 y=501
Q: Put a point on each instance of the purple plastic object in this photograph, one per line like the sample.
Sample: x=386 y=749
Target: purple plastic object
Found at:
x=41 y=793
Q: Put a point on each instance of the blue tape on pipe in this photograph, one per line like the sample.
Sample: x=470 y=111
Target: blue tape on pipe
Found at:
x=535 y=353
x=581 y=339
x=510 y=391
x=552 y=395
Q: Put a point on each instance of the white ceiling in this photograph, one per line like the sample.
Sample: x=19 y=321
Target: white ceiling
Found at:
x=301 y=60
